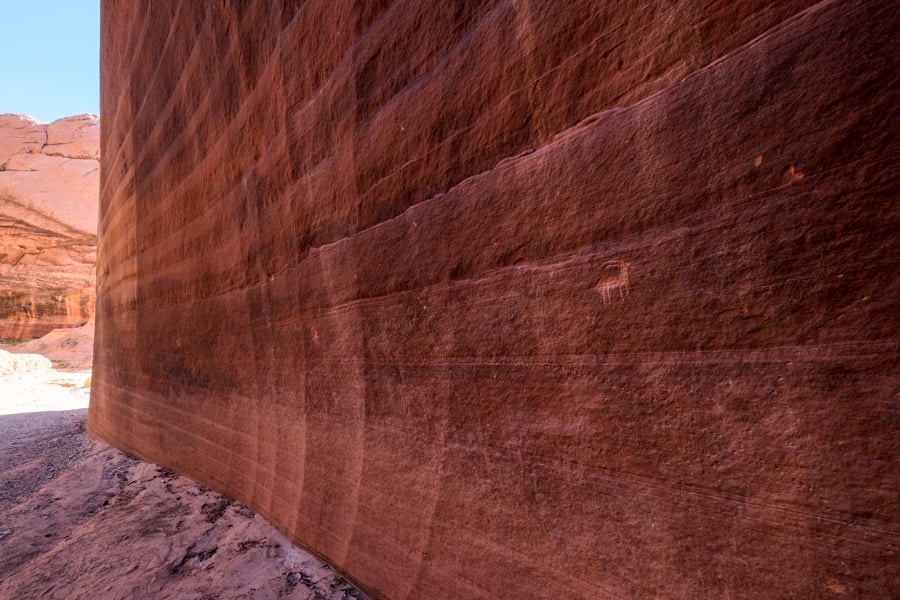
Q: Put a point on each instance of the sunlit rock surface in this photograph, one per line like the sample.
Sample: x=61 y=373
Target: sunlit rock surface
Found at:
x=74 y=137
x=515 y=300
x=20 y=133
x=49 y=188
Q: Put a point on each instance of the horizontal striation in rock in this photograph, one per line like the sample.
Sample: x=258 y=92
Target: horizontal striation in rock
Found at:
x=49 y=187
x=511 y=300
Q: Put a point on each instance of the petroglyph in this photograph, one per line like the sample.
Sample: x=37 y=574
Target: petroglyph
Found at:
x=795 y=173
x=614 y=276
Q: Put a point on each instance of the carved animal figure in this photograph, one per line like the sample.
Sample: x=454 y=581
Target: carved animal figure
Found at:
x=614 y=277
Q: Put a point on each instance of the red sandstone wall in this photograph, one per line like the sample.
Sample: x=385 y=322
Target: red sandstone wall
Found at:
x=515 y=299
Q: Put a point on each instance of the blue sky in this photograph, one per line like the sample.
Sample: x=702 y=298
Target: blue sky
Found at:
x=50 y=53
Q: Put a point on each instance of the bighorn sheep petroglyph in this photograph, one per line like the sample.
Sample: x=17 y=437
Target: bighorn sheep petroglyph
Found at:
x=614 y=277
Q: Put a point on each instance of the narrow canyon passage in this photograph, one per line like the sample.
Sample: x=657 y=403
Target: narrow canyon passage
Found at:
x=470 y=300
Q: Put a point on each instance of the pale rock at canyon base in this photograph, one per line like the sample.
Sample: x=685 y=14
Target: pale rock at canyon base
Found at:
x=22 y=363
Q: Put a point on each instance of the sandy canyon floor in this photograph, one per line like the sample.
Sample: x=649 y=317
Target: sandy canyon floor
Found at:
x=79 y=519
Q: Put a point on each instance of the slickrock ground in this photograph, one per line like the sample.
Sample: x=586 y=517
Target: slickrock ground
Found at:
x=79 y=519
x=49 y=182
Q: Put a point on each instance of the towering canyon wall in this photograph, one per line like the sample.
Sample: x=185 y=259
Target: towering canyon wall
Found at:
x=49 y=190
x=515 y=299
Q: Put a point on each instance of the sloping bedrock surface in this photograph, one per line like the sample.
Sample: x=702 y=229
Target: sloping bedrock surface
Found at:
x=511 y=300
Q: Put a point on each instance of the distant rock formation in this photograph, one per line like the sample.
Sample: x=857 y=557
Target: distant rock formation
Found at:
x=516 y=298
x=49 y=188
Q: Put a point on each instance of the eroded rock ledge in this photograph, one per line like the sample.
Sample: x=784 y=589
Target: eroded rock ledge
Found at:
x=49 y=190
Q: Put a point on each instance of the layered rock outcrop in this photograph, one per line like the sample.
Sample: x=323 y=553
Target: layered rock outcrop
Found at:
x=507 y=299
x=49 y=191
